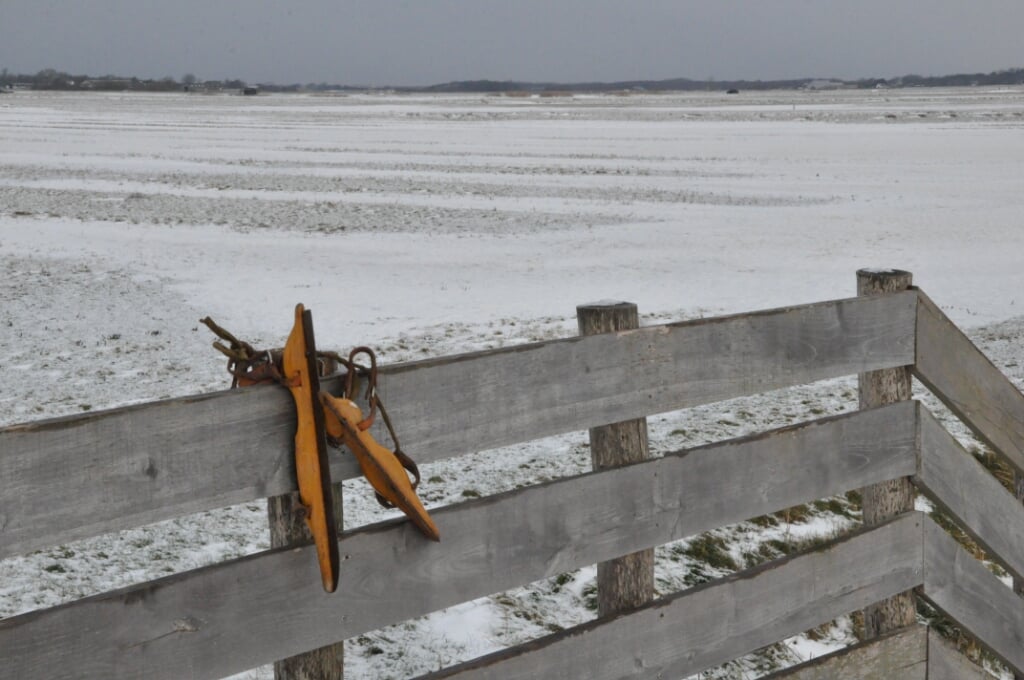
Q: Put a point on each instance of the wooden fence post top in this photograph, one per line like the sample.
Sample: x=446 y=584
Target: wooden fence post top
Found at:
x=872 y=281
x=605 y=304
x=607 y=316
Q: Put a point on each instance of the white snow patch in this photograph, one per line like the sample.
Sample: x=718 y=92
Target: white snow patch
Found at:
x=428 y=225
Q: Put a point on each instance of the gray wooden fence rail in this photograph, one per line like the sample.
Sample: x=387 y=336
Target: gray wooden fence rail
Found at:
x=170 y=458
x=160 y=460
x=913 y=653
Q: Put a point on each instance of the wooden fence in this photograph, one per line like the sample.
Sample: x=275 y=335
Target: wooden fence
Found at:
x=69 y=478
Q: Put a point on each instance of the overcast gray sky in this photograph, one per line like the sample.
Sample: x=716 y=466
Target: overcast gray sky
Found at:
x=419 y=42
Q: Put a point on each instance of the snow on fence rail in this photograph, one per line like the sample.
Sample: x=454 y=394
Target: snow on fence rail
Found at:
x=74 y=477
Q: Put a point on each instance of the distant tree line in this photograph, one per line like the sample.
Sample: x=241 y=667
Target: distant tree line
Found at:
x=1013 y=76
x=52 y=79
x=1005 y=77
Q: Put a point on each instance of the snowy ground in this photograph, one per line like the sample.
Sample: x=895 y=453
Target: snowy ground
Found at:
x=427 y=225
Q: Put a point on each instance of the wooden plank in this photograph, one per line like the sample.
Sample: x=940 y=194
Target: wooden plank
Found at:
x=76 y=477
x=901 y=654
x=711 y=624
x=207 y=622
x=967 y=382
x=141 y=464
x=967 y=592
x=945 y=662
x=962 y=487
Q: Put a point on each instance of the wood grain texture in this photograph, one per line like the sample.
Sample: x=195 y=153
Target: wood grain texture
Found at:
x=146 y=463
x=945 y=662
x=964 y=489
x=325 y=663
x=207 y=623
x=898 y=655
x=963 y=589
x=895 y=496
x=81 y=476
x=967 y=382
x=627 y=581
x=708 y=625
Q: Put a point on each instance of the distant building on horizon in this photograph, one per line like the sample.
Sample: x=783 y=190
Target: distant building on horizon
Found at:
x=825 y=84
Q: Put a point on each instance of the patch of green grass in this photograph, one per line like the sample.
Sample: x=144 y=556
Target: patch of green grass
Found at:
x=765 y=521
x=813 y=543
x=794 y=515
x=819 y=633
x=561 y=580
x=590 y=596
x=696 y=576
x=776 y=547
x=834 y=506
x=995 y=465
x=961 y=537
x=751 y=559
x=712 y=551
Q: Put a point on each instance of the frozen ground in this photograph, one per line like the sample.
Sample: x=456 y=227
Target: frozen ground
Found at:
x=431 y=225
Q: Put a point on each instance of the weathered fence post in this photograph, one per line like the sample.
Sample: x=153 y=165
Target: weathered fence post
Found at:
x=288 y=527
x=627 y=581
x=887 y=499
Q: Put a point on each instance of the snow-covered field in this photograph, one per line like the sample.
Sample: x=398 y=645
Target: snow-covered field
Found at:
x=427 y=225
